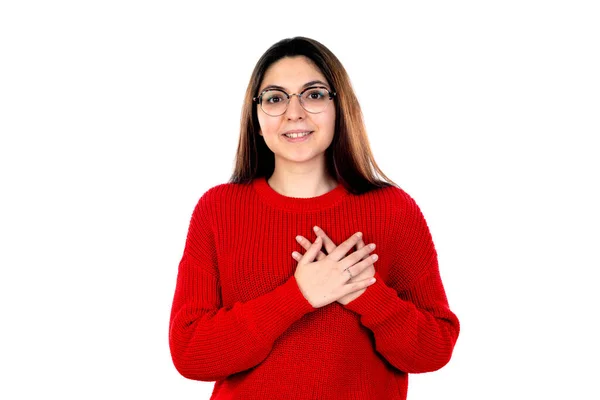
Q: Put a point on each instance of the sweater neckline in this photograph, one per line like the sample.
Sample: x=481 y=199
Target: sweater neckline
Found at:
x=272 y=198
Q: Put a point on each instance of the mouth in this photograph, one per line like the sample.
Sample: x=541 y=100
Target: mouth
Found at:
x=297 y=136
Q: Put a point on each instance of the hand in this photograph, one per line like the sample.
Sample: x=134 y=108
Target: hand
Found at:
x=330 y=246
x=324 y=281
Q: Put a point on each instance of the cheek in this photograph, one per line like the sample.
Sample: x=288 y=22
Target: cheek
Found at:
x=268 y=126
x=327 y=123
x=332 y=122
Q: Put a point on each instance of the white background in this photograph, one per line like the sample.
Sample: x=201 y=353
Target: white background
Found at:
x=485 y=112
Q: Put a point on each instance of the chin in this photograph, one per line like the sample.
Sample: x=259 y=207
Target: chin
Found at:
x=303 y=158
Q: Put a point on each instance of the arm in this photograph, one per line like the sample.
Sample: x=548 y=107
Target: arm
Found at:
x=209 y=342
x=413 y=326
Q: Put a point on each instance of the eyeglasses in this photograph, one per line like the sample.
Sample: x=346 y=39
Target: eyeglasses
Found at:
x=314 y=99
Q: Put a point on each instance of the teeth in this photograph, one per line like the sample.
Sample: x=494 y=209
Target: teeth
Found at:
x=295 y=135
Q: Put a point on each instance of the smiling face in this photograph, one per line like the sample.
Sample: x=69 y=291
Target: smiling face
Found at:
x=294 y=74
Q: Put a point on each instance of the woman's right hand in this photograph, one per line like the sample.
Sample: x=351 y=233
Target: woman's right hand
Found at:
x=324 y=281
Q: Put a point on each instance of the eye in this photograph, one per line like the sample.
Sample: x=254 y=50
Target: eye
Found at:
x=274 y=99
x=315 y=94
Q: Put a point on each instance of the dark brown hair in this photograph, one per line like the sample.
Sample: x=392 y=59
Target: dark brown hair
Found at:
x=349 y=159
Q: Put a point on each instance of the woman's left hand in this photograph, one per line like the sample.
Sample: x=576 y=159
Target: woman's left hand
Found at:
x=330 y=246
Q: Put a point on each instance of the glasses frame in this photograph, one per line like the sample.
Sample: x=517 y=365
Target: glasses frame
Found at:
x=258 y=99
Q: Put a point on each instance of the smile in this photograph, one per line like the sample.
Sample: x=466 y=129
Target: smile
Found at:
x=297 y=137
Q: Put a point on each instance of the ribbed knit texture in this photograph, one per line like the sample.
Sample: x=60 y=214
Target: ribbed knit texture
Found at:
x=239 y=318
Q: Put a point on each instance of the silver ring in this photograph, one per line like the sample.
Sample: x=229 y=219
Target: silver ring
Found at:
x=348 y=270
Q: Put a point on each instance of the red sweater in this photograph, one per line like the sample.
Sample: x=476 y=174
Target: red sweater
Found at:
x=239 y=318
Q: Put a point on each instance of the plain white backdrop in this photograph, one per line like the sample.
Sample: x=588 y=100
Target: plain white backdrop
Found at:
x=116 y=116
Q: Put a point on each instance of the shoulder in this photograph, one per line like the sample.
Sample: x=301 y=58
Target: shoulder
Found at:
x=222 y=192
x=213 y=204
x=217 y=197
x=400 y=211
x=393 y=199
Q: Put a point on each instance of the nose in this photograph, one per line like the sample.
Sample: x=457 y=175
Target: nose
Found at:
x=294 y=109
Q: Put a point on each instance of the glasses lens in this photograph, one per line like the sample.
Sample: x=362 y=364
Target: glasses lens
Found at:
x=274 y=102
x=315 y=99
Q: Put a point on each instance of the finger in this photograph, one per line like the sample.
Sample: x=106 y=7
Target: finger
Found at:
x=365 y=273
x=360 y=244
x=312 y=252
x=357 y=285
x=327 y=242
x=297 y=256
x=343 y=248
x=357 y=256
x=304 y=242
x=359 y=267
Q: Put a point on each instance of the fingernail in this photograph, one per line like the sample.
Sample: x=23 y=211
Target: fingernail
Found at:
x=316 y=228
x=372 y=246
x=294 y=254
x=318 y=239
x=359 y=234
x=372 y=280
x=299 y=238
x=374 y=256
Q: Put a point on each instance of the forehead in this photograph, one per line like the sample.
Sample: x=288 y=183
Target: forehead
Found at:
x=291 y=73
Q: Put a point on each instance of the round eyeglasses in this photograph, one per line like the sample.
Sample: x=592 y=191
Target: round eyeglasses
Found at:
x=314 y=99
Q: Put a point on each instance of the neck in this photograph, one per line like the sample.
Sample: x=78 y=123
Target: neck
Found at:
x=301 y=181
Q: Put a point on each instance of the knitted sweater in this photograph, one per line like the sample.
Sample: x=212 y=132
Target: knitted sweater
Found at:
x=240 y=319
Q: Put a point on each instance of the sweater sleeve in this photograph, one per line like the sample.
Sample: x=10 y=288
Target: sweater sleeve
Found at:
x=208 y=342
x=409 y=315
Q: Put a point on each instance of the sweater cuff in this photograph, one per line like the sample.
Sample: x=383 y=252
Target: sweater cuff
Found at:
x=378 y=303
x=274 y=313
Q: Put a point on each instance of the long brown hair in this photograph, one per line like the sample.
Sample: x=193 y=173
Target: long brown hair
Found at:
x=349 y=159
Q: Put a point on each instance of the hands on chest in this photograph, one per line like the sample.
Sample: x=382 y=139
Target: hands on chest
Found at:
x=335 y=276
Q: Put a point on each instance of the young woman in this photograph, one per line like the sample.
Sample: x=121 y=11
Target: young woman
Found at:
x=338 y=321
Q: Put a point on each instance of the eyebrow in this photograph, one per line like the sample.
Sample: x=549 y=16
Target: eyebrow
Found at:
x=307 y=84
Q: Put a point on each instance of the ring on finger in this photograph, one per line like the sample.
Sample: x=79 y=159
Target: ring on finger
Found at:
x=348 y=270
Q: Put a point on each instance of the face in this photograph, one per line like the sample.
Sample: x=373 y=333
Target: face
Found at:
x=292 y=74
